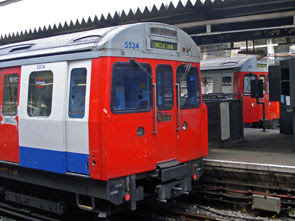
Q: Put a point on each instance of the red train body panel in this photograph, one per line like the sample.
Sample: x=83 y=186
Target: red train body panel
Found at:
x=9 y=140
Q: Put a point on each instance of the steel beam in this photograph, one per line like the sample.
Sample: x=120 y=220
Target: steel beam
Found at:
x=236 y=19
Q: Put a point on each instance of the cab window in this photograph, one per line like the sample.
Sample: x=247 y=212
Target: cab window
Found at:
x=262 y=77
x=10 y=95
x=188 y=80
x=40 y=94
x=131 y=87
x=247 y=83
x=164 y=78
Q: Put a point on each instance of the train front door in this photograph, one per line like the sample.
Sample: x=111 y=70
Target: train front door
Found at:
x=9 y=97
x=191 y=114
x=165 y=114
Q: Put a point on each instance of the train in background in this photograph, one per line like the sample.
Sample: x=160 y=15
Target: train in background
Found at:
x=101 y=119
x=233 y=76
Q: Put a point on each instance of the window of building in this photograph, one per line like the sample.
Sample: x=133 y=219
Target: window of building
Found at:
x=40 y=94
x=188 y=79
x=164 y=76
x=207 y=85
x=131 y=87
x=247 y=83
x=10 y=95
x=77 y=93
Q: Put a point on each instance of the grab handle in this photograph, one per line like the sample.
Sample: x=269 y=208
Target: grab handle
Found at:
x=155 y=104
x=178 y=105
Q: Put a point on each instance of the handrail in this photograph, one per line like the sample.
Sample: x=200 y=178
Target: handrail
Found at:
x=155 y=104
x=178 y=101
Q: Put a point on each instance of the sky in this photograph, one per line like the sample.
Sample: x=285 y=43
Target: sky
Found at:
x=30 y=14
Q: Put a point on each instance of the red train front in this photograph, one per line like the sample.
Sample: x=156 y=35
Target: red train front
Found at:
x=233 y=75
x=116 y=114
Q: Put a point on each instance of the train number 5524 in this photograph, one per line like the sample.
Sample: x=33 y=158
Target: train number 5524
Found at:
x=131 y=45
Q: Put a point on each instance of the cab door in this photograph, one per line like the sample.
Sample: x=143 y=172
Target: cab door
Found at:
x=166 y=117
x=192 y=118
x=226 y=82
x=9 y=96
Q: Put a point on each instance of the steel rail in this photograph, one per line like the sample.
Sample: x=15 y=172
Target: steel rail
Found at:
x=23 y=214
x=185 y=216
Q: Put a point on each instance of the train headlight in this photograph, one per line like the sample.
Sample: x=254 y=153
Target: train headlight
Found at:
x=184 y=126
x=140 y=131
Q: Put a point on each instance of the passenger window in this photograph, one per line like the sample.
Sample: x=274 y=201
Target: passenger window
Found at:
x=262 y=77
x=40 y=94
x=164 y=76
x=247 y=83
x=10 y=95
x=227 y=84
x=131 y=87
x=207 y=85
x=188 y=79
x=77 y=93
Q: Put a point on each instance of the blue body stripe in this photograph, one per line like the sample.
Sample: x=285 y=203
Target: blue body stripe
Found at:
x=78 y=163
x=54 y=161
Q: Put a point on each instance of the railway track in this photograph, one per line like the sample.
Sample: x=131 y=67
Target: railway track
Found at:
x=185 y=216
x=8 y=212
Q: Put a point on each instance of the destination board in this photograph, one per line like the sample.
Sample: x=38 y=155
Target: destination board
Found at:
x=164 y=45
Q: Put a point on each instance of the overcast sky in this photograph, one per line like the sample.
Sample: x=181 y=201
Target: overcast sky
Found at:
x=30 y=14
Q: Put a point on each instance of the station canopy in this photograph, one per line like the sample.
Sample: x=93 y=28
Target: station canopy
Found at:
x=207 y=21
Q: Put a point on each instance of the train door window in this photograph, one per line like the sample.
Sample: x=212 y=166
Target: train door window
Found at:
x=207 y=85
x=10 y=95
x=188 y=79
x=77 y=93
x=247 y=83
x=262 y=77
x=131 y=87
x=40 y=94
x=164 y=78
x=226 y=84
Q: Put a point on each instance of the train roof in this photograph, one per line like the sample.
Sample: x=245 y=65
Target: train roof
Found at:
x=133 y=40
x=243 y=64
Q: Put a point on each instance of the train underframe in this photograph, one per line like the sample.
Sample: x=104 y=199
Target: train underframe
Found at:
x=61 y=194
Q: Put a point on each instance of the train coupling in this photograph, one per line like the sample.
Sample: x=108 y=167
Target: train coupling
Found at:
x=177 y=179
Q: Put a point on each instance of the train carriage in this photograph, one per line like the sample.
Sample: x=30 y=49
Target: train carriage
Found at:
x=109 y=115
x=233 y=76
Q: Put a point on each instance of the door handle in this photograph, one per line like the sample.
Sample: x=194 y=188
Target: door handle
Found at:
x=178 y=104
x=155 y=104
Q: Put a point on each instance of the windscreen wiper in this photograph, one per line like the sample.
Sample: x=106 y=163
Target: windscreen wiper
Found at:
x=133 y=61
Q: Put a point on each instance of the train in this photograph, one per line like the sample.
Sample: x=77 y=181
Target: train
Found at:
x=232 y=76
x=101 y=119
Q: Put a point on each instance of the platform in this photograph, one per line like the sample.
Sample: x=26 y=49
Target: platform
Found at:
x=263 y=149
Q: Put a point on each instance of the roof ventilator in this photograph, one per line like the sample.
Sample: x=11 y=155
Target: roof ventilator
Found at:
x=21 y=47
